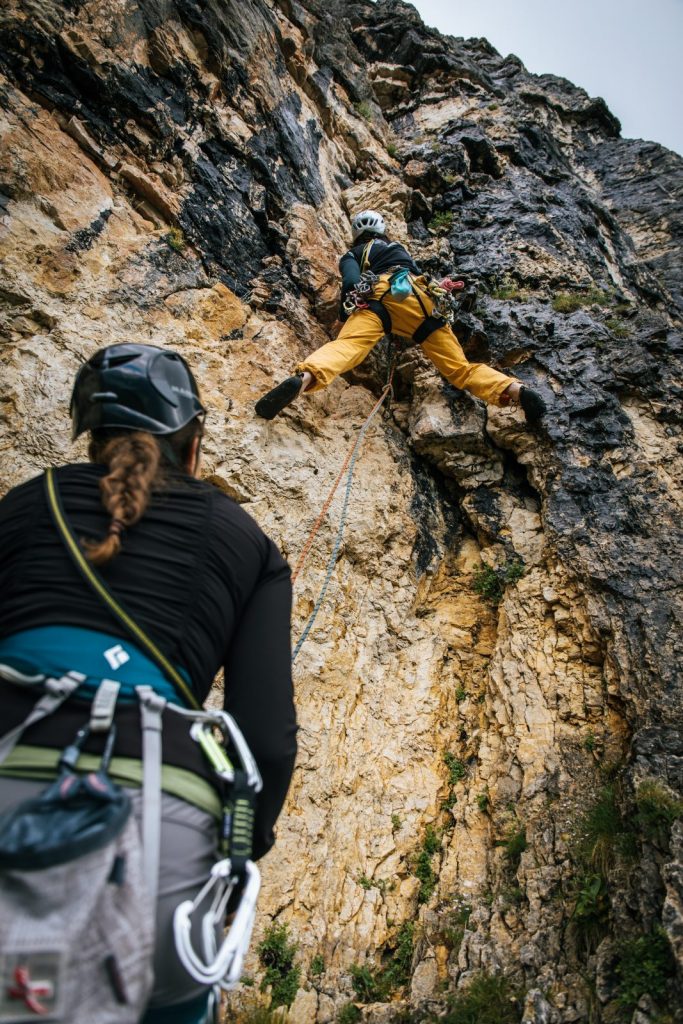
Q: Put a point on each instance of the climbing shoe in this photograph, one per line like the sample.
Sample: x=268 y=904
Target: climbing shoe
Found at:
x=280 y=397
x=533 y=405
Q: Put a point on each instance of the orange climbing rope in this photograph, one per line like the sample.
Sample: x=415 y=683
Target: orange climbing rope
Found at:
x=328 y=501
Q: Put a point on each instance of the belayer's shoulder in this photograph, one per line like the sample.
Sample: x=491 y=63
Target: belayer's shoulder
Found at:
x=22 y=492
x=232 y=520
x=27 y=489
x=229 y=509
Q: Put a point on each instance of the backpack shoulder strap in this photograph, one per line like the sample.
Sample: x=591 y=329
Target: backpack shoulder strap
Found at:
x=365 y=258
x=56 y=692
x=95 y=581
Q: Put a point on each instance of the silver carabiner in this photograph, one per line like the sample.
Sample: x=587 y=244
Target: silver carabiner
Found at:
x=218 y=965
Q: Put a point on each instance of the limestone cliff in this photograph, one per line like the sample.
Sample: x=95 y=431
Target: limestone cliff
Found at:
x=491 y=757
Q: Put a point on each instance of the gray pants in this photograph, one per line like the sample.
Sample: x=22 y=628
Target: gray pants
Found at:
x=189 y=842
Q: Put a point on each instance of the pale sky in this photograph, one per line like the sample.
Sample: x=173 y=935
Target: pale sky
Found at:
x=630 y=52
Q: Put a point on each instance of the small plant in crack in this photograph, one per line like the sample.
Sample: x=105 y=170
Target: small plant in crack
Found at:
x=424 y=872
x=276 y=953
x=513 y=846
x=364 y=110
x=456 y=768
x=490 y=582
x=378 y=985
x=317 y=966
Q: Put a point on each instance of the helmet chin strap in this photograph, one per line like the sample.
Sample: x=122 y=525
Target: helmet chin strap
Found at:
x=198 y=454
x=168 y=453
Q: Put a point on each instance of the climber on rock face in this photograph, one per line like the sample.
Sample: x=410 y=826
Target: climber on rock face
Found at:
x=384 y=292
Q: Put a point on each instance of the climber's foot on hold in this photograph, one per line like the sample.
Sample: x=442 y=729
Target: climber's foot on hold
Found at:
x=280 y=397
x=533 y=405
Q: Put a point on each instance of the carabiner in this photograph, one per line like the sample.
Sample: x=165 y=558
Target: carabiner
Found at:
x=218 y=965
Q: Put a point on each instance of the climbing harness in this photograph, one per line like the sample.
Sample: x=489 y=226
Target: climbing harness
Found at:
x=348 y=468
x=401 y=284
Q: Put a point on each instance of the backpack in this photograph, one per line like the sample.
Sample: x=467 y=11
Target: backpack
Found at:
x=78 y=883
x=76 y=923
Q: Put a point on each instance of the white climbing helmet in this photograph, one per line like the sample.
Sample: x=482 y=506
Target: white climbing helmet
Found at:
x=368 y=220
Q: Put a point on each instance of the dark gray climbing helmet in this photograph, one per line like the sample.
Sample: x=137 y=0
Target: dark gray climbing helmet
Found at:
x=134 y=387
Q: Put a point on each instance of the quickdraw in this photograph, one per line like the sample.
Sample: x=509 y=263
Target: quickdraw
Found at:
x=443 y=297
x=359 y=295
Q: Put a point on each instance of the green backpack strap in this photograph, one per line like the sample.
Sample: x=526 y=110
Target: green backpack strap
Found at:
x=95 y=581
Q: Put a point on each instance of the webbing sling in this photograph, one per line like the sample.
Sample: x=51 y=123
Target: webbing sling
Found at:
x=430 y=323
x=99 y=586
x=427 y=327
x=151 y=709
x=377 y=307
x=365 y=257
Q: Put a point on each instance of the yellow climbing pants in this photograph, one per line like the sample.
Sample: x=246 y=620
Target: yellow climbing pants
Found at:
x=363 y=330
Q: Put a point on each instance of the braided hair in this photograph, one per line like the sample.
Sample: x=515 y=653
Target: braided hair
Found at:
x=136 y=461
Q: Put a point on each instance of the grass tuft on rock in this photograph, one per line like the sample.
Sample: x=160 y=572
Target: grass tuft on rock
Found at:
x=658 y=808
x=617 y=327
x=509 y=291
x=456 y=921
x=569 y=302
x=604 y=835
x=514 y=846
x=488 y=999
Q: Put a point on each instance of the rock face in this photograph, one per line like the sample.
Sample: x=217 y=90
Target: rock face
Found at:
x=490 y=699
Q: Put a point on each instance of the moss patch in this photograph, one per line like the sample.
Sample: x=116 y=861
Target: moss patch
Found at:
x=348 y=1014
x=175 y=239
x=569 y=302
x=441 y=223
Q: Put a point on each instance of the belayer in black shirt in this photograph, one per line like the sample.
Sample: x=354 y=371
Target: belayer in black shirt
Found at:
x=197 y=575
x=396 y=299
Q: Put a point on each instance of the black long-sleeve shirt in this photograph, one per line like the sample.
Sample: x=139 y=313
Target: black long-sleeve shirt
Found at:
x=200 y=577
x=382 y=257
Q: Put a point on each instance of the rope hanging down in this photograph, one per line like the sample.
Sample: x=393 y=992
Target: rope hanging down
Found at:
x=349 y=462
